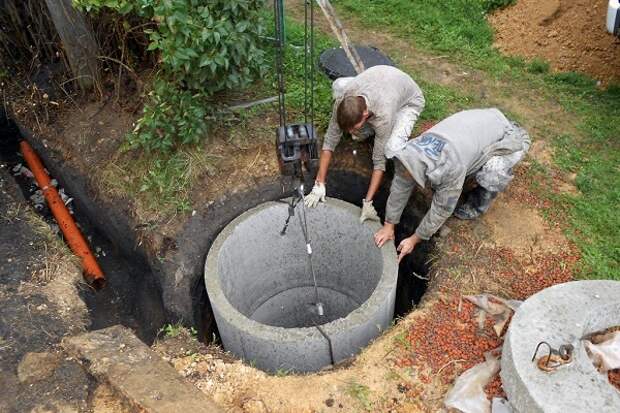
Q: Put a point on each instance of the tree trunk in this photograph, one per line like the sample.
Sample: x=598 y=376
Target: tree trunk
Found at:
x=78 y=41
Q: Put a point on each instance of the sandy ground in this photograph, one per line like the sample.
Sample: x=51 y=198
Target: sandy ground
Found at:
x=570 y=34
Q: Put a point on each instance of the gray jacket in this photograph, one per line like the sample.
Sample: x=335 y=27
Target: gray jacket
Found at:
x=444 y=155
x=386 y=90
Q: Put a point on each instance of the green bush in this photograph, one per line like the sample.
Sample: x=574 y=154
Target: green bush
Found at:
x=172 y=116
x=204 y=47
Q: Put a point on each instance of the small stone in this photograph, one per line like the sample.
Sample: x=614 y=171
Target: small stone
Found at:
x=254 y=406
x=42 y=307
x=329 y=402
x=36 y=367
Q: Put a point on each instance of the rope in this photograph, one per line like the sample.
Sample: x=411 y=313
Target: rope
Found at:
x=304 y=229
x=309 y=70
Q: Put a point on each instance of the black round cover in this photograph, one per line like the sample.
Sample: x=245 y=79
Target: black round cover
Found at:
x=335 y=64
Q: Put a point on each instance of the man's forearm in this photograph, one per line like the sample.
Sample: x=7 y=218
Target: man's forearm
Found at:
x=375 y=182
x=326 y=157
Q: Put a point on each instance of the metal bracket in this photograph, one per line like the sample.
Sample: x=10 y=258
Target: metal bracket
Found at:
x=297 y=149
x=555 y=358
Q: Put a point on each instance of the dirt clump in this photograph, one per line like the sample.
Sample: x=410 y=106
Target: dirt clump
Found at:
x=570 y=34
x=522 y=229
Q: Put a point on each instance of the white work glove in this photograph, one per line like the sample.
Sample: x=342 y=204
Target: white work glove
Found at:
x=316 y=195
x=368 y=212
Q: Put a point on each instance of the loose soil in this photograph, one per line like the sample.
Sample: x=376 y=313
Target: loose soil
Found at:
x=570 y=34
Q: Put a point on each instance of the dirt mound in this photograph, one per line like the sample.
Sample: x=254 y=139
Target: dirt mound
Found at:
x=570 y=34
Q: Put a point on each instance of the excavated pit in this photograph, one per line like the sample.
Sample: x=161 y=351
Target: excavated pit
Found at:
x=262 y=292
x=146 y=291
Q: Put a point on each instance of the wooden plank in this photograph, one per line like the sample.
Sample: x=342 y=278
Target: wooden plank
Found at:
x=78 y=42
x=338 y=29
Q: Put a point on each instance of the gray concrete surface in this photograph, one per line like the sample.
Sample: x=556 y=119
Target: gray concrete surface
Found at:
x=262 y=294
x=561 y=314
x=116 y=356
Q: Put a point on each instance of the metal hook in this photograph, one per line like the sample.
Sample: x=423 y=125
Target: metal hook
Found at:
x=550 y=351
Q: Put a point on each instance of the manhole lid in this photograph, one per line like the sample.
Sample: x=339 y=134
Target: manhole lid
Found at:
x=335 y=64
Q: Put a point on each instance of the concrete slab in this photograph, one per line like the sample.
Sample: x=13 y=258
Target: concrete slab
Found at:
x=116 y=356
x=561 y=314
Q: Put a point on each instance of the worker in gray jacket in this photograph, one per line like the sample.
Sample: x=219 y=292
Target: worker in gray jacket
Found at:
x=381 y=101
x=481 y=142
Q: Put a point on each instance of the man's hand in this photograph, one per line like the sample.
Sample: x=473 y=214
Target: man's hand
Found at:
x=384 y=235
x=368 y=212
x=317 y=195
x=407 y=245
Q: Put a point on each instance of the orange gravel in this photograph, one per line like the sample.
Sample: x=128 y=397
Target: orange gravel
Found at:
x=448 y=336
x=494 y=388
x=539 y=272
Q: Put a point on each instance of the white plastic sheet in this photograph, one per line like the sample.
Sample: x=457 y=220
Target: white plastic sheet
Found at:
x=499 y=309
x=606 y=354
x=500 y=405
x=468 y=394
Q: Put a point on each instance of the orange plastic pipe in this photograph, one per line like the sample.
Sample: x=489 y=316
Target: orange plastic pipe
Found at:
x=91 y=270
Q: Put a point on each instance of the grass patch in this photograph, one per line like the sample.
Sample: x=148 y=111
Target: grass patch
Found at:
x=176 y=330
x=593 y=215
x=457 y=28
x=360 y=393
x=161 y=182
x=538 y=66
x=294 y=70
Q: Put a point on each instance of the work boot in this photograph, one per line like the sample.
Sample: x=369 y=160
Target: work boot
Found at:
x=478 y=202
